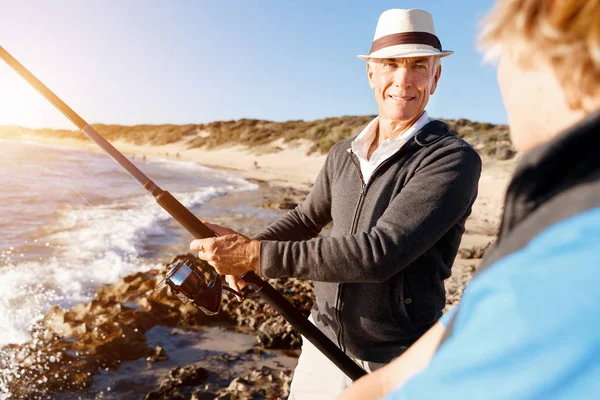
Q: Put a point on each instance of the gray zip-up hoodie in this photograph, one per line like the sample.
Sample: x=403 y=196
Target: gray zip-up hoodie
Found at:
x=379 y=277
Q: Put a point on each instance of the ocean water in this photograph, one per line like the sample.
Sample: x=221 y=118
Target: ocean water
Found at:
x=71 y=221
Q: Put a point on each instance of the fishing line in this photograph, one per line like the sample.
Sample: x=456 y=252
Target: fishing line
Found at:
x=58 y=171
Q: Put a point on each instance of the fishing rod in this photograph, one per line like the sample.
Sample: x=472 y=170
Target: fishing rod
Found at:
x=182 y=277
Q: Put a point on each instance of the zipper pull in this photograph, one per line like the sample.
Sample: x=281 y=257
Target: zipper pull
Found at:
x=362 y=190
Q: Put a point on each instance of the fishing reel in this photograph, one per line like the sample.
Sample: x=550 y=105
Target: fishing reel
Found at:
x=187 y=282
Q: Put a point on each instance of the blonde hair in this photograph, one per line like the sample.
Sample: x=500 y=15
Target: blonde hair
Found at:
x=564 y=32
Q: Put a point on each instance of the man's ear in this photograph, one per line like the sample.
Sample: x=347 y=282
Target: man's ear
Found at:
x=436 y=79
x=370 y=71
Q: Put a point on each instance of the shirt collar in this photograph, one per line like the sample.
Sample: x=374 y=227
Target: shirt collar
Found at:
x=362 y=142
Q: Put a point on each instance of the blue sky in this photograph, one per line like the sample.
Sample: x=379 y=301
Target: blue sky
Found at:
x=133 y=62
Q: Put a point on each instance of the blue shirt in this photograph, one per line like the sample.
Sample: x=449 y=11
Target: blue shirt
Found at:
x=528 y=327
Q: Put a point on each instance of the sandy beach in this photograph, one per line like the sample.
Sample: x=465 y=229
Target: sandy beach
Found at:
x=277 y=163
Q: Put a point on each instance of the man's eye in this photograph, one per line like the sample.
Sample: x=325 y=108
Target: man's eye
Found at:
x=420 y=66
x=389 y=65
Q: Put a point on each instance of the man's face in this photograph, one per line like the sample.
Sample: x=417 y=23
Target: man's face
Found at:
x=402 y=86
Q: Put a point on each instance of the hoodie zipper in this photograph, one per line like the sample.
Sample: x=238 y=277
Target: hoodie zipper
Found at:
x=361 y=197
x=340 y=335
x=357 y=210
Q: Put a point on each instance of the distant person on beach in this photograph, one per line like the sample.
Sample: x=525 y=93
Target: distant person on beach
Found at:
x=528 y=325
x=398 y=195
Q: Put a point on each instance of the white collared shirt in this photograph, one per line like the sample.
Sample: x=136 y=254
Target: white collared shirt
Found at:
x=362 y=143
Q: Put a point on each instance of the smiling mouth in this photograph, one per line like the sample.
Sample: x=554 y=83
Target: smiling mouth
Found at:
x=400 y=98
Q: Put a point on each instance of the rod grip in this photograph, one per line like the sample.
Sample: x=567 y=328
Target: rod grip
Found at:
x=182 y=215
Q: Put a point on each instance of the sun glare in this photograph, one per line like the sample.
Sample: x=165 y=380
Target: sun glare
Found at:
x=17 y=99
x=20 y=104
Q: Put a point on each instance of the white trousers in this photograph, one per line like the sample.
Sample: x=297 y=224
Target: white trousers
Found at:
x=317 y=378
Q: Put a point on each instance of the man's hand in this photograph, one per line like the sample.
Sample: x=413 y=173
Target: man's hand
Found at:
x=229 y=254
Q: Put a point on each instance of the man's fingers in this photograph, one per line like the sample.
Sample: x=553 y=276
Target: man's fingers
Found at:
x=205 y=248
x=236 y=284
x=197 y=245
x=232 y=282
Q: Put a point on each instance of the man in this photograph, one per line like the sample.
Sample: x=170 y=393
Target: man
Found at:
x=398 y=195
x=528 y=326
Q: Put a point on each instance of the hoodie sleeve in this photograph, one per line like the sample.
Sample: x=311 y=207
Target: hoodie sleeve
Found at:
x=308 y=218
x=436 y=198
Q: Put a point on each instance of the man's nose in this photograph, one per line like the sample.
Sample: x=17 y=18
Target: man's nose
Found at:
x=403 y=77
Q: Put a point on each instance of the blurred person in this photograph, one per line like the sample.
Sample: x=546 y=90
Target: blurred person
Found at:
x=528 y=325
x=398 y=195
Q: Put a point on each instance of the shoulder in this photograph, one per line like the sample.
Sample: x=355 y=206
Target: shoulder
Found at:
x=561 y=244
x=573 y=238
x=438 y=142
x=342 y=146
x=558 y=267
x=339 y=151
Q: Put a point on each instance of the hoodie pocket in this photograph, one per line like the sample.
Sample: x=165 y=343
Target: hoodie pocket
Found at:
x=401 y=311
x=423 y=299
x=407 y=299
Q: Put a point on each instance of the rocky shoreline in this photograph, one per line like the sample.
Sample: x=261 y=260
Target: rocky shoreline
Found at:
x=130 y=341
x=69 y=347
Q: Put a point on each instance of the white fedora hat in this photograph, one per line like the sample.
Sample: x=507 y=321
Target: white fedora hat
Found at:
x=405 y=33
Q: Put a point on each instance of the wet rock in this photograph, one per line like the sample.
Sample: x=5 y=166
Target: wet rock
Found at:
x=262 y=383
x=179 y=378
x=285 y=204
x=158 y=355
x=229 y=357
x=260 y=319
x=202 y=395
x=188 y=376
x=276 y=333
x=283 y=198
x=69 y=346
